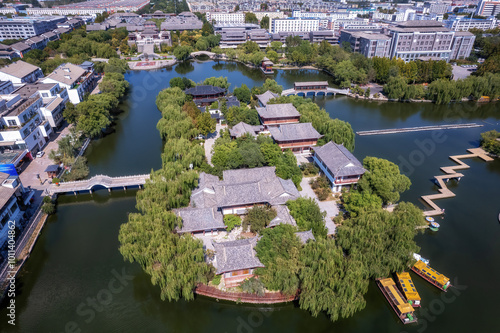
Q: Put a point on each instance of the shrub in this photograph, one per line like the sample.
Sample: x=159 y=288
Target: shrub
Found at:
x=48 y=208
x=216 y=280
x=321 y=187
x=309 y=169
x=232 y=221
x=253 y=286
x=47 y=199
x=258 y=218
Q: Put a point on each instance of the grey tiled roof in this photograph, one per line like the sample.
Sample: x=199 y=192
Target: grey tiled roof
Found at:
x=242 y=128
x=278 y=111
x=204 y=90
x=243 y=187
x=310 y=83
x=236 y=255
x=265 y=97
x=200 y=219
x=19 y=69
x=304 y=236
x=282 y=217
x=340 y=161
x=289 y=132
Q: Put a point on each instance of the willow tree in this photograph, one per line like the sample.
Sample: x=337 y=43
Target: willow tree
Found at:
x=330 y=281
x=382 y=241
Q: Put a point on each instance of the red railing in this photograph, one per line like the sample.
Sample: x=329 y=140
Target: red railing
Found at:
x=268 y=298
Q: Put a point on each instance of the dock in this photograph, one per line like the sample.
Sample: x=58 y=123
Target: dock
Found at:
x=418 y=129
x=451 y=173
x=108 y=182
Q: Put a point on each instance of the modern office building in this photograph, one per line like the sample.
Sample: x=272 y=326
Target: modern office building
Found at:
x=488 y=8
x=294 y=24
x=462 y=23
x=368 y=44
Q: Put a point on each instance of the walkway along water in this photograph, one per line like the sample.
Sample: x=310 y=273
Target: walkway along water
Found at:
x=418 y=129
x=450 y=171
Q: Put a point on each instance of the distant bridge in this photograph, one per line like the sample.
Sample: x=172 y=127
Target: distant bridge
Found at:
x=315 y=92
x=99 y=181
x=199 y=53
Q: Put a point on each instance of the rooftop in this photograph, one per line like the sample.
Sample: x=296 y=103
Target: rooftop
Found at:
x=278 y=111
x=304 y=236
x=282 y=217
x=204 y=90
x=200 y=219
x=67 y=74
x=266 y=97
x=29 y=89
x=236 y=255
x=5 y=191
x=294 y=132
x=242 y=128
x=19 y=69
x=340 y=161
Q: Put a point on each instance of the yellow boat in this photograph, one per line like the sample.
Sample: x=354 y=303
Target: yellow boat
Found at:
x=403 y=309
x=409 y=291
x=431 y=275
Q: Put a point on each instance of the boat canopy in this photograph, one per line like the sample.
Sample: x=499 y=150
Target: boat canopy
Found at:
x=431 y=273
x=408 y=288
x=390 y=287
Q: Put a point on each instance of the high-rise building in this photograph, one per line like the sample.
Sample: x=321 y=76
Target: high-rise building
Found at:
x=488 y=8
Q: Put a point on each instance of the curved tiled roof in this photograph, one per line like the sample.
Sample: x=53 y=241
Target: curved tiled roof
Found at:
x=204 y=90
x=236 y=255
x=340 y=161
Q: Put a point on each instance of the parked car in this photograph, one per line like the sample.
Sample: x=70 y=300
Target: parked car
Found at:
x=40 y=154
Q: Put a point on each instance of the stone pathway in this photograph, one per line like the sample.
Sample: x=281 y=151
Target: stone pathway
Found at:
x=209 y=142
x=330 y=207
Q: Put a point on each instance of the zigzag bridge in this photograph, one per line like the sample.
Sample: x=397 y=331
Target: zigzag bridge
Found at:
x=99 y=181
x=450 y=172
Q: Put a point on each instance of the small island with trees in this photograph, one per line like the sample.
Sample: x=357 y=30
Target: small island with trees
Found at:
x=240 y=225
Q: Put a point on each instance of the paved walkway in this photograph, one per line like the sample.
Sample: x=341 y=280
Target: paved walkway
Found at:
x=38 y=166
x=209 y=142
x=330 y=207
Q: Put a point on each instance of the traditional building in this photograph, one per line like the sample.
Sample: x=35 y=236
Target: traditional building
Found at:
x=236 y=260
x=242 y=189
x=200 y=220
x=283 y=216
x=300 y=138
x=305 y=236
x=205 y=94
x=277 y=114
x=267 y=66
x=310 y=86
x=242 y=128
x=265 y=97
x=338 y=165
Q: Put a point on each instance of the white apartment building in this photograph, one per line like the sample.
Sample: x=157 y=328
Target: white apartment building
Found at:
x=20 y=72
x=22 y=122
x=400 y=16
x=294 y=24
x=25 y=27
x=75 y=79
x=461 y=23
x=332 y=16
x=65 y=11
x=235 y=17
x=12 y=193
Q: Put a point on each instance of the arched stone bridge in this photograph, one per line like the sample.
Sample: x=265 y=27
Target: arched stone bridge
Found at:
x=311 y=92
x=199 y=53
x=99 y=180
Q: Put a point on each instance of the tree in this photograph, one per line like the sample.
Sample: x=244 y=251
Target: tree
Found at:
x=202 y=44
x=243 y=94
x=181 y=82
x=330 y=281
x=279 y=251
x=355 y=202
x=490 y=142
x=395 y=88
x=251 y=18
x=258 y=218
x=220 y=82
x=183 y=52
x=70 y=113
x=384 y=179
x=264 y=23
x=277 y=46
x=308 y=215
x=272 y=86
x=272 y=55
x=205 y=123
x=93 y=118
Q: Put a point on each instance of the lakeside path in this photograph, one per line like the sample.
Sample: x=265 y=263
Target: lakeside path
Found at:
x=153 y=64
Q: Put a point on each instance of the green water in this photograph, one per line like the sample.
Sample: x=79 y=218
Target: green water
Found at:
x=77 y=281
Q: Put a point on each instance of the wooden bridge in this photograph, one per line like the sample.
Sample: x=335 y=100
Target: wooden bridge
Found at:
x=417 y=129
x=450 y=172
x=98 y=181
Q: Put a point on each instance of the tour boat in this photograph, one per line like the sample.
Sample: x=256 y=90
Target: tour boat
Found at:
x=403 y=309
x=429 y=219
x=432 y=276
x=405 y=283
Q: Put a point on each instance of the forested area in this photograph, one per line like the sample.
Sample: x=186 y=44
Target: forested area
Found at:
x=175 y=262
x=78 y=46
x=490 y=141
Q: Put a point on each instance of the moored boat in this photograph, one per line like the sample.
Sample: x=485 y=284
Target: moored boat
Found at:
x=406 y=285
x=434 y=226
x=403 y=309
x=419 y=257
x=431 y=275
